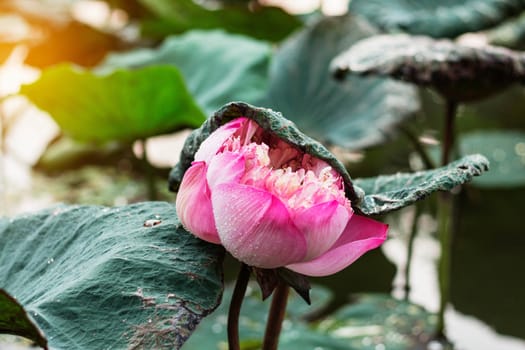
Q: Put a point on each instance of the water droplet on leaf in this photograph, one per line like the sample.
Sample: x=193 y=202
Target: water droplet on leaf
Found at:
x=152 y=222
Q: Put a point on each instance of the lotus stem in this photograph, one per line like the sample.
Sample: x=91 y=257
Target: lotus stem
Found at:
x=235 y=307
x=276 y=316
x=419 y=148
x=445 y=215
x=448 y=132
x=410 y=250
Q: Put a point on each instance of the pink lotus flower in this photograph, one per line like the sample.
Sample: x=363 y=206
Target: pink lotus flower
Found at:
x=271 y=205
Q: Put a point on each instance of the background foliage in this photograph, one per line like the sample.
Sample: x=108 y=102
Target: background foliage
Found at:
x=156 y=67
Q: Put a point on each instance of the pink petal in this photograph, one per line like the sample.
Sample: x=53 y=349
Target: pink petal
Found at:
x=255 y=226
x=225 y=167
x=360 y=235
x=321 y=225
x=213 y=143
x=193 y=204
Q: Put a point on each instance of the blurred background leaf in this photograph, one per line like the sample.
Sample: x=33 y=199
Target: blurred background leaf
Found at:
x=357 y=113
x=445 y=18
x=124 y=105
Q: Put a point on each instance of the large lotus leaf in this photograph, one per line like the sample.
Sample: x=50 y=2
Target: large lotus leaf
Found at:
x=218 y=67
x=445 y=18
x=110 y=278
x=506 y=152
x=124 y=105
x=458 y=72
x=267 y=23
x=390 y=192
x=357 y=113
x=269 y=120
x=377 y=321
x=14 y=320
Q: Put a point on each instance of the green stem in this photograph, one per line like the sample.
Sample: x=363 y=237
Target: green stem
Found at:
x=419 y=148
x=276 y=316
x=445 y=215
x=449 y=132
x=445 y=208
x=410 y=250
x=235 y=307
x=149 y=173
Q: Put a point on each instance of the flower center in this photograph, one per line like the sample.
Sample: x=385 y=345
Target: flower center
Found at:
x=298 y=179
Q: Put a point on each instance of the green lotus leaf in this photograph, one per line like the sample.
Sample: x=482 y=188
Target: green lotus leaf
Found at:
x=14 y=320
x=217 y=67
x=445 y=18
x=391 y=192
x=110 y=278
x=122 y=106
x=458 y=72
x=261 y=22
x=356 y=113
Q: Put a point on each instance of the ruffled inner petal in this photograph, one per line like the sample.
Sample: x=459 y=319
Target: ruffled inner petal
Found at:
x=212 y=144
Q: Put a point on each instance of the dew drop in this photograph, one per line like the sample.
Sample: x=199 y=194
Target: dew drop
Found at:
x=520 y=149
x=152 y=222
x=216 y=328
x=150 y=320
x=380 y=347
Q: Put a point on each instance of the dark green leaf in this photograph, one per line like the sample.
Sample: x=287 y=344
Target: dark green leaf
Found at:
x=110 y=278
x=391 y=192
x=270 y=121
x=124 y=105
x=218 y=67
x=265 y=23
x=458 y=72
x=506 y=152
x=66 y=154
x=444 y=18
x=14 y=320
x=380 y=321
x=357 y=113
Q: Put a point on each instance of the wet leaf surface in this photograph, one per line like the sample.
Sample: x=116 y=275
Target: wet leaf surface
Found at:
x=390 y=192
x=99 y=278
x=458 y=72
